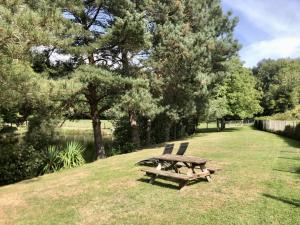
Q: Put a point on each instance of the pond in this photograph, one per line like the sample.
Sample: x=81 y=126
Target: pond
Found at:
x=87 y=140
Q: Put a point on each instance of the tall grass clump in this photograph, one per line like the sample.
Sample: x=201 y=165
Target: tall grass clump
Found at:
x=72 y=155
x=69 y=157
x=52 y=160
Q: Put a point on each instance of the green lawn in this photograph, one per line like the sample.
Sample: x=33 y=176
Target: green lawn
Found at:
x=77 y=126
x=84 y=124
x=259 y=184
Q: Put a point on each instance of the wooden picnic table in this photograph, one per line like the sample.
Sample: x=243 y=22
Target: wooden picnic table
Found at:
x=169 y=166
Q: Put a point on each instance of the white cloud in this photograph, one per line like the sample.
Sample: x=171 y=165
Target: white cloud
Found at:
x=274 y=48
x=278 y=19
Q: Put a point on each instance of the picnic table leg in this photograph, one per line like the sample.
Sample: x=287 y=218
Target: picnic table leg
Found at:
x=153 y=176
x=204 y=169
x=152 y=179
x=159 y=166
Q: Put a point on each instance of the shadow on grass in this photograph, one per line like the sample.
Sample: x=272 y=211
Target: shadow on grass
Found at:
x=291 y=170
x=32 y=180
x=174 y=186
x=213 y=130
x=290 y=141
x=159 y=183
x=290 y=158
x=293 y=202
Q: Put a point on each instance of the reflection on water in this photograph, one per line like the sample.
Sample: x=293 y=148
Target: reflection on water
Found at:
x=87 y=140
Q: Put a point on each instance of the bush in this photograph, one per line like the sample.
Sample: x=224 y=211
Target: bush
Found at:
x=8 y=130
x=70 y=157
x=292 y=115
x=52 y=162
x=41 y=132
x=18 y=162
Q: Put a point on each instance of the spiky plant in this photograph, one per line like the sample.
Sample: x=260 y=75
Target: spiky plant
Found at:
x=72 y=155
x=52 y=160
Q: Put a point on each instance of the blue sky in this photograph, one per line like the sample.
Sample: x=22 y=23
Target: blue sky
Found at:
x=266 y=28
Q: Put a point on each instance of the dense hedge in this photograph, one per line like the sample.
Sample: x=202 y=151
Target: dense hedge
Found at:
x=19 y=162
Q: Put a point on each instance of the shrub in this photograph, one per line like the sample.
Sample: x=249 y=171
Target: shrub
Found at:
x=72 y=155
x=8 y=130
x=18 y=162
x=41 y=132
x=52 y=161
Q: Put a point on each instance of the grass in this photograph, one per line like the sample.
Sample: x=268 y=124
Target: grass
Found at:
x=84 y=125
x=77 y=127
x=259 y=184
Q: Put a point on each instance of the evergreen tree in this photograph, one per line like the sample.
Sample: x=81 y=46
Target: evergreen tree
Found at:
x=192 y=42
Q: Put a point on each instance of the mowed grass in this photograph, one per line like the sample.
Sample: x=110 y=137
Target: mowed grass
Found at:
x=79 y=126
x=259 y=184
x=84 y=124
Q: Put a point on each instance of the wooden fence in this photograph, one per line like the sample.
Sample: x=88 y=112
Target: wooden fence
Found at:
x=286 y=128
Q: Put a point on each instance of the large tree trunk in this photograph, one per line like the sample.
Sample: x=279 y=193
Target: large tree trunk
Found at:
x=135 y=136
x=221 y=124
x=148 y=140
x=98 y=144
x=218 y=124
x=167 y=131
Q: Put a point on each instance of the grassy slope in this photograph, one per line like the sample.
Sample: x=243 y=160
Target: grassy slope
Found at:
x=259 y=184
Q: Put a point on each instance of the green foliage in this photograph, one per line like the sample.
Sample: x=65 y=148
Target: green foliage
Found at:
x=280 y=82
x=237 y=96
x=52 y=161
x=1 y=122
x=293 y=114
x=41 y=131
x=190 y=51
x=18 y=162
x=138 y=100
x=151 y=61
x=72 y=155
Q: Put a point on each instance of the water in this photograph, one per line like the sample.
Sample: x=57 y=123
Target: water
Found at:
x=87 y=140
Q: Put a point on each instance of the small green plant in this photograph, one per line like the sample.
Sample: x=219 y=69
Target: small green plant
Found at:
x=52 y=160
x=72 y=155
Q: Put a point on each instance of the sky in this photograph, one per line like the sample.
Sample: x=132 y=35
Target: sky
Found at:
x=266 y=28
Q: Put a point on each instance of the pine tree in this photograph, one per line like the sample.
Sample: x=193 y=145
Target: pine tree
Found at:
x=109 y=35
x=192 y=42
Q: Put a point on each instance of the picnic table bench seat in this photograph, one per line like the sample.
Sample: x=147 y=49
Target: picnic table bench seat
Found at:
x=176 y=176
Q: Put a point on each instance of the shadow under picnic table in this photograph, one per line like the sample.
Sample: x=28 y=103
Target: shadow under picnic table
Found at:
x=174 y=186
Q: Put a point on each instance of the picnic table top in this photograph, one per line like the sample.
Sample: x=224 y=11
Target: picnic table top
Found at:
x=181 y=158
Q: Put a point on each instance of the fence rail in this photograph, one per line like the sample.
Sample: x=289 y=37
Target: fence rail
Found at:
x=286 y=128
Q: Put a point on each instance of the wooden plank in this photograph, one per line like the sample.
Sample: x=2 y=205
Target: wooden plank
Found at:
x=164 y=173
x=173 y=175
x=179 y=158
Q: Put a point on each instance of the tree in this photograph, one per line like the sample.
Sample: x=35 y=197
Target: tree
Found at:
x=192 y=42
x=138 y=102
x=110 y=35
x=237 y=96
x=100 y=90
x=24 y=27
x=280 y=82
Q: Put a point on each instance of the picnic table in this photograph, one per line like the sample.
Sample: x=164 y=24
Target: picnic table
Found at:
x=169 y=167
